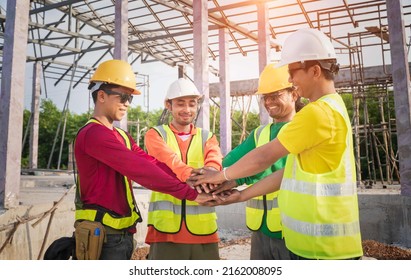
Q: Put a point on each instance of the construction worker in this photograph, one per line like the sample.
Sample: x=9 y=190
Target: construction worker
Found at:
x=262 y=213
x=181 y=229
x=318 y=196
x=108 y=160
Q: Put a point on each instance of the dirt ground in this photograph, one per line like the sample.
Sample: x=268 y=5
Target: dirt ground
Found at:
x=239 y=249
x=381 y=251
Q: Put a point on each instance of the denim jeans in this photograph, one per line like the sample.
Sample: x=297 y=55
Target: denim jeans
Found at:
x=118 y=247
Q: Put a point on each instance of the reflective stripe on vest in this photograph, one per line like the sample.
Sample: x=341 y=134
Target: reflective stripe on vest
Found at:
x=319 y=212
x=165 y=211
x=322 y=230
x=102 y=215
x=177 y=209
x=259 y=204
x=256 y=206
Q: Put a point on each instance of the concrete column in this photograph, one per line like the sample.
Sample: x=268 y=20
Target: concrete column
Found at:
x=225 y=107
x=34 y=121
x=200 y=27
x=181 y=71
x=121 y=42
x=12 y=101
x=70 y=156
x=402 y=90
x=263 y=53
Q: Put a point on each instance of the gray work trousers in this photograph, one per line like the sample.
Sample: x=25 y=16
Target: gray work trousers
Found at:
x=264 y=247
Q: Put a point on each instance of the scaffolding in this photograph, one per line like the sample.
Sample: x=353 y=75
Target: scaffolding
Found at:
x=368 y=91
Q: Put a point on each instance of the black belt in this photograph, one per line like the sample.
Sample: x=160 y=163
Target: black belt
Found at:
x=110 y=230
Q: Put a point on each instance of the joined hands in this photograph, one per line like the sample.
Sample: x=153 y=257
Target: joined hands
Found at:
x=212 y=190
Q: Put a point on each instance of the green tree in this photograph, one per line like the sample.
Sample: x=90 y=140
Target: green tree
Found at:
x=49 y=120
x=142 y=121
x=26 y=137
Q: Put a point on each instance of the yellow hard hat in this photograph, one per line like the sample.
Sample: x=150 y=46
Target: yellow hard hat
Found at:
x=273 y=79
x=117 y=72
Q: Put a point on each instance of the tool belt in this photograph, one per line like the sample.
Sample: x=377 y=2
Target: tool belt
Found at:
x=90 y=237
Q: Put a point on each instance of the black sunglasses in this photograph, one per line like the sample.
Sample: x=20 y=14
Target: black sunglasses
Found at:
x=302 y=65
x=124 y=97
x=292 y=70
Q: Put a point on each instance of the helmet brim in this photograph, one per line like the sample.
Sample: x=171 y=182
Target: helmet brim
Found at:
x=280 y=64
x=136 y=92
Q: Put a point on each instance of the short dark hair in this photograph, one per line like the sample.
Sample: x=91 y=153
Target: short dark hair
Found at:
x=329 y=67
x=102 y=87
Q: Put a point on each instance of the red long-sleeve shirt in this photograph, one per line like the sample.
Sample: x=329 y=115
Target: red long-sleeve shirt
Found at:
x=103 y=159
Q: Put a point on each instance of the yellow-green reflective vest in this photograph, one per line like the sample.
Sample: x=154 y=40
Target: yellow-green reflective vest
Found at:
x=319 y=212
x=103 y=215
x=256 y=206
x=166 y=212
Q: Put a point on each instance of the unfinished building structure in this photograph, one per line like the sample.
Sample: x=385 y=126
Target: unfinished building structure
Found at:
x=65 y=40
x=376 y=154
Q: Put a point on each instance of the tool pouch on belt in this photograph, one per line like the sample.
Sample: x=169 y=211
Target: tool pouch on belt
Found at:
x=89 y=240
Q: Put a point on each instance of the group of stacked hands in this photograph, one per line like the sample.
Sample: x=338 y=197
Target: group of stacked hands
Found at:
x=219 y=194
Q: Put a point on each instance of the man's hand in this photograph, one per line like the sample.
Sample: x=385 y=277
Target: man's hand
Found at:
x=226 y=186
x=224 y=198
x=203 y=198
x=232 y=196
x=190 y=181
x=207 y=188
x=205 y=176
x=203 y=187
x=200 y=189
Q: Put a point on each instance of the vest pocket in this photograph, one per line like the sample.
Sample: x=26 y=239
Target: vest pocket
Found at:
x=207 y=217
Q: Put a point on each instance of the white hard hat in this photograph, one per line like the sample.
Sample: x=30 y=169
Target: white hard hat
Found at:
x=304 y=45
x=180 y=88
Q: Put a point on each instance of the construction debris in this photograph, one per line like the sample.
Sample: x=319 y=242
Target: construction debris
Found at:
x=382 y=251
x=372 y=250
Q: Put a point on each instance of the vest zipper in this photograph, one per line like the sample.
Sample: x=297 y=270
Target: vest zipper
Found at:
x=183 y=211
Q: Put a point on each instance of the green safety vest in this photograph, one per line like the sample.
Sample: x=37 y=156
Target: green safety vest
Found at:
x=319 y=212
x=105 y=216
x=166 y=212
x=256 y=206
